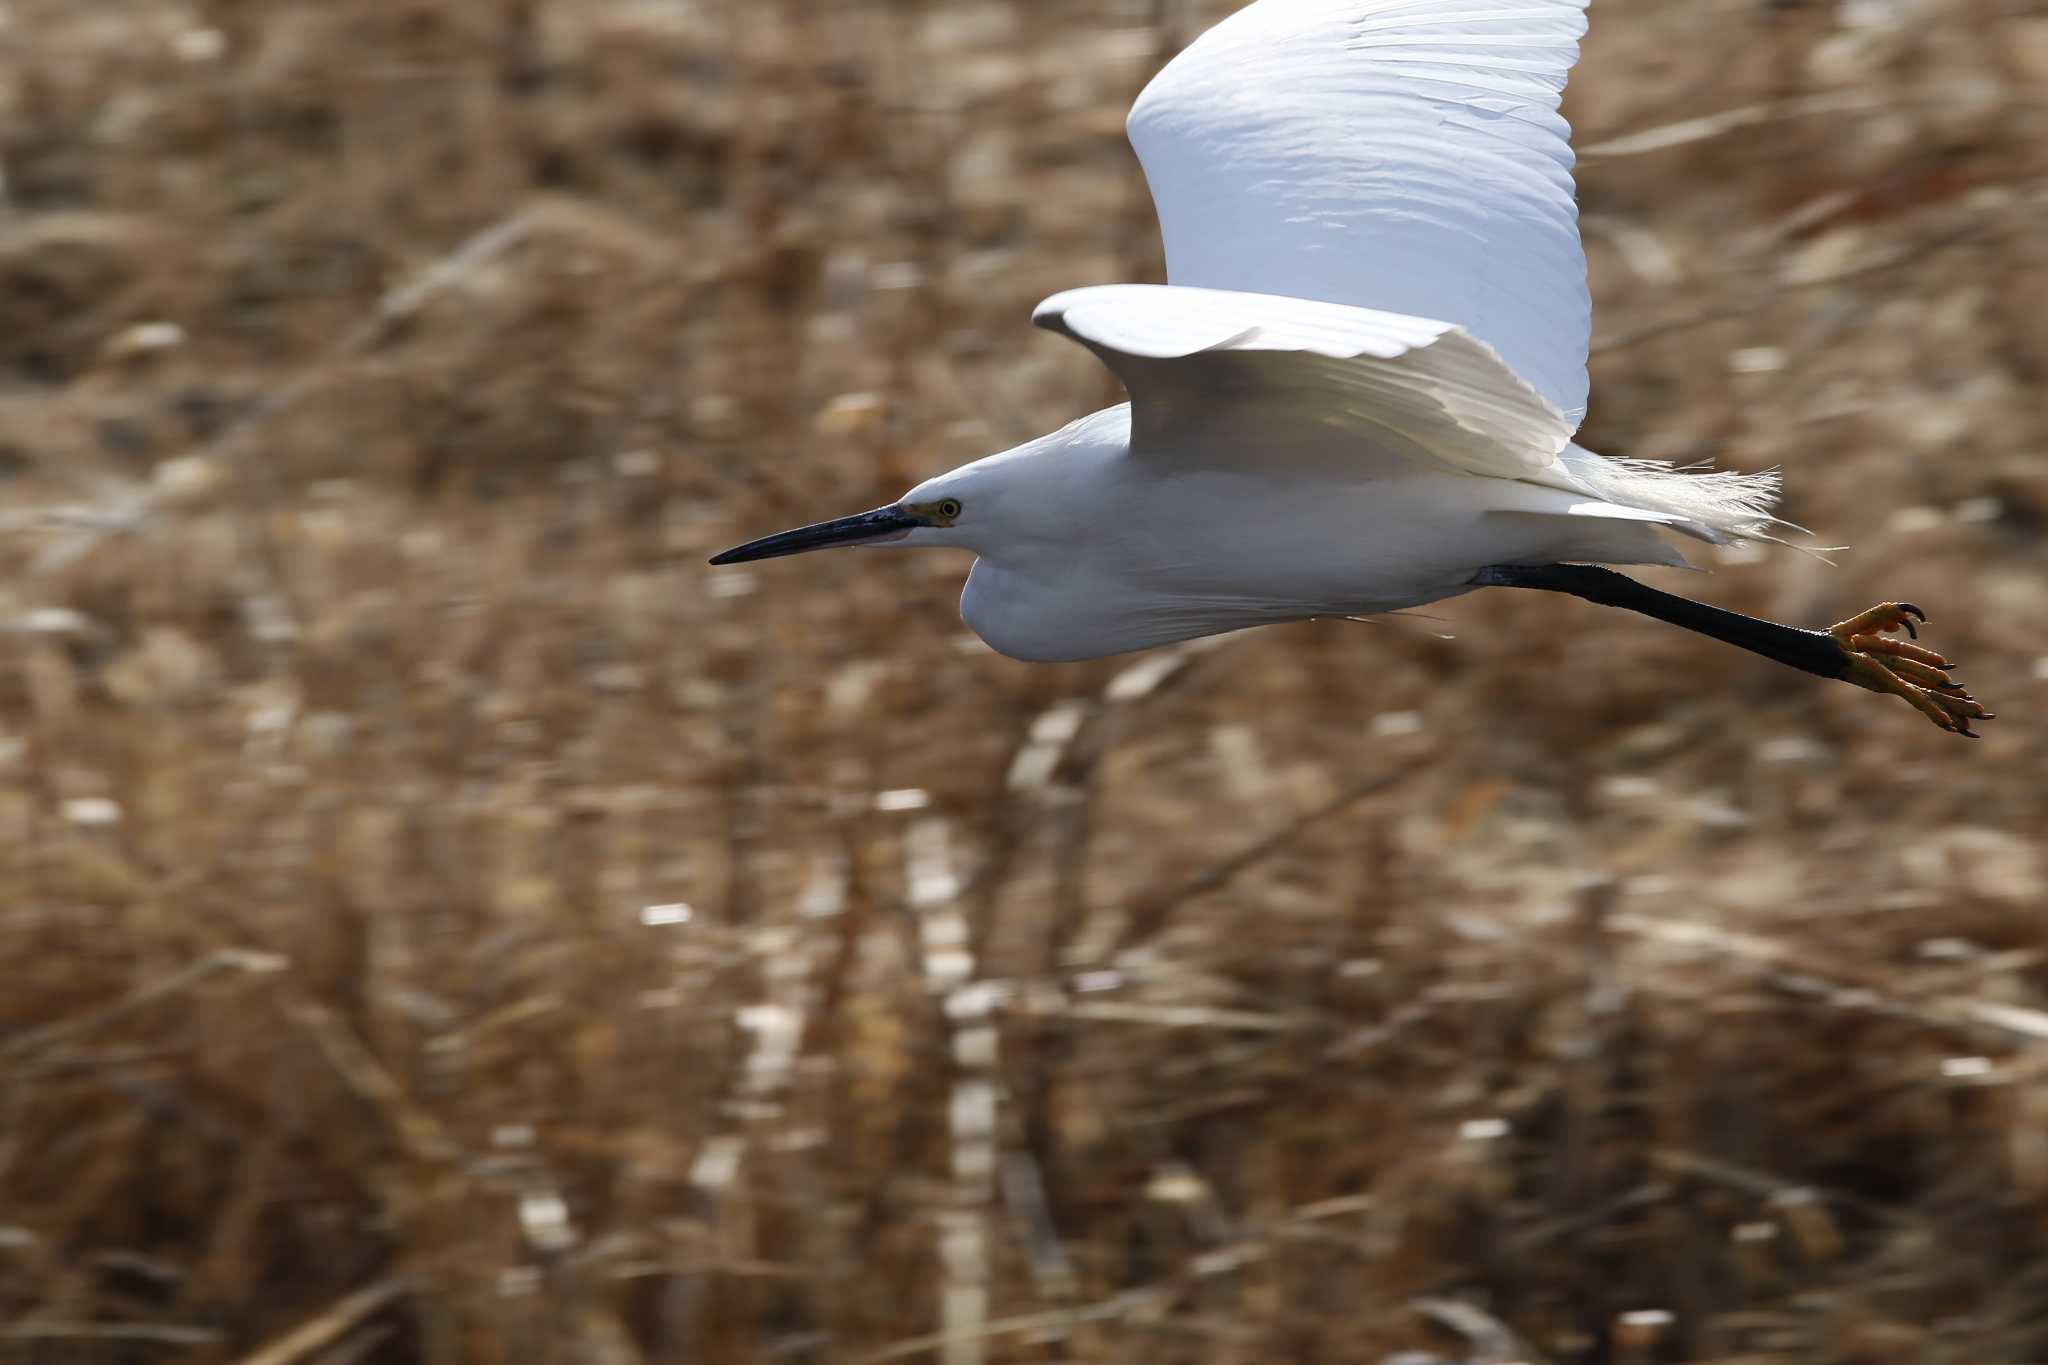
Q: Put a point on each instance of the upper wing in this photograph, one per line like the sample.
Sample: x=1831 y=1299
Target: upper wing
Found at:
x=1247 y=367
x=1400 y=155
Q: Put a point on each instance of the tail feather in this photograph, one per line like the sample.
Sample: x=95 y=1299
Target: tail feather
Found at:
x=1717 y=506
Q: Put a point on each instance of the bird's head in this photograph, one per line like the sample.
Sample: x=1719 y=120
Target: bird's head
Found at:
x=1025 y=497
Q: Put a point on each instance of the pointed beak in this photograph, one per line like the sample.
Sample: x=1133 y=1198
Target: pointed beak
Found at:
x=866 y=528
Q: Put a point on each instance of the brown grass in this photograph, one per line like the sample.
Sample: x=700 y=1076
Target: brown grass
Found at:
x=1571 y=989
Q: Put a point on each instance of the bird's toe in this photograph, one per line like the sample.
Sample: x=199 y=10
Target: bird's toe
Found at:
x=1874 y=661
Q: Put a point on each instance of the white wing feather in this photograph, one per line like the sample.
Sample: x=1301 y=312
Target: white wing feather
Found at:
x=1383 y=384
x=1404 y=156
x=1258 y=377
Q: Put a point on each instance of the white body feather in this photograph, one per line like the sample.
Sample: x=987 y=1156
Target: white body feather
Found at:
x=1222 y=544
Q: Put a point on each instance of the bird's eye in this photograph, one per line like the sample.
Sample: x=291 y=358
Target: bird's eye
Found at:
x=949 y=508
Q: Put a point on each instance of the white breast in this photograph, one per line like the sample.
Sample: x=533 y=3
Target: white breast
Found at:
x=1037 y=618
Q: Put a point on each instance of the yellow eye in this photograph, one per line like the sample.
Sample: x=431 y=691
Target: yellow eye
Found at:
x=949 y=508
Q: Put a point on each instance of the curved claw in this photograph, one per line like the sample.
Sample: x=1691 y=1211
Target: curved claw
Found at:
x=1911 y=672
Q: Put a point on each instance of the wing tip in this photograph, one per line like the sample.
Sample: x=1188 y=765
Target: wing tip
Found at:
x=1051 y=313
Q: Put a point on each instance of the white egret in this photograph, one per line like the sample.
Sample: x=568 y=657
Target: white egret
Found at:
x=1357 y=393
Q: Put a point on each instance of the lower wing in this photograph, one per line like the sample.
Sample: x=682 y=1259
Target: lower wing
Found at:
x=1217 y=375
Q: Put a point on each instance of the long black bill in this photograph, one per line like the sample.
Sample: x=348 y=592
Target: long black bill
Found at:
x=884 y=523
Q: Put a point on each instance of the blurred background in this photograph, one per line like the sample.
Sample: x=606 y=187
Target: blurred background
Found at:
x=446 y=922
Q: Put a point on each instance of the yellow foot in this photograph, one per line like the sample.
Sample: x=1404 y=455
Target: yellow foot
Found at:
x=1905 y=670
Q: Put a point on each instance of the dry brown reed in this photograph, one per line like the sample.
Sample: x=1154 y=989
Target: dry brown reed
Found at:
x=445 y=923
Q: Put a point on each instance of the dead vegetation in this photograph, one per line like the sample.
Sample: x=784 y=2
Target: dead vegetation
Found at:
x=444 y=922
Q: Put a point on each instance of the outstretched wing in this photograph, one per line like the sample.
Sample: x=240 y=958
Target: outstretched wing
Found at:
x=1358 y=384
x=1404 y=156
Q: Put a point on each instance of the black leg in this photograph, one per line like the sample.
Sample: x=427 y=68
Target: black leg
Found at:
x=1854 y=650
x=1812 y=650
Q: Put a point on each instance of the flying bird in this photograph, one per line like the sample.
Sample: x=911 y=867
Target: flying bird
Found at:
x=1358 y=390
